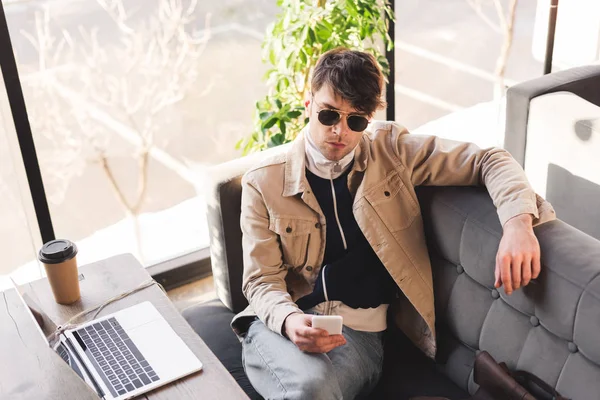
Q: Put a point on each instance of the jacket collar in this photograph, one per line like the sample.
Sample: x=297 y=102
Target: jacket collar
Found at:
x=295 y=174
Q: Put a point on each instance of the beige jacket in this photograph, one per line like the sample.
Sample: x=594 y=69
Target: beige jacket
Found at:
x=284 y=228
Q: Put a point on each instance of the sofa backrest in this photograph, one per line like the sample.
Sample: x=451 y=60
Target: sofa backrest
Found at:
x=223 y=214
x=550 y=328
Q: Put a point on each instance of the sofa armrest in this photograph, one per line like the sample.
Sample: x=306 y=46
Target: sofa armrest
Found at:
x=223 y=201
x=582 y=81
x=561 y=157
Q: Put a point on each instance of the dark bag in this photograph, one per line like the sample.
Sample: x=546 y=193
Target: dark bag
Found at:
x=497 y=382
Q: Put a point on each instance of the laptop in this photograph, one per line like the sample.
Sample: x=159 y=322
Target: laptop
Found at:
x=121 y=355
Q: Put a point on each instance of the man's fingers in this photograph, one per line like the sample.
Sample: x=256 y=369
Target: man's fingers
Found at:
x=327 y=349
x=526 y=272
x=505 y=274
x=321 y=344
x=536 y=266
x=331 y=343
x=311 y=333
x=497 y=281
x=516 y=267
x=329 y=340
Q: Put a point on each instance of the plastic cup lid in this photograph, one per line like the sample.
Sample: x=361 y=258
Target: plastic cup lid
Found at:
x=57 y=251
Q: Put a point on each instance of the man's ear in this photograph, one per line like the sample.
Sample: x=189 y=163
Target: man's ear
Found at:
x=307 y=105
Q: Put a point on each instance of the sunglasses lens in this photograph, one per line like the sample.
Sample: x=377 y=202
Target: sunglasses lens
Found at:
x=357 y=123
x=328 y=117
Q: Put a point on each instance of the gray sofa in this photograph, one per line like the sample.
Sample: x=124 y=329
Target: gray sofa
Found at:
x=553 y=130
x=551 y=328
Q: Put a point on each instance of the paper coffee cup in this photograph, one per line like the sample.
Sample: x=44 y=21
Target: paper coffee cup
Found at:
x=60 y=261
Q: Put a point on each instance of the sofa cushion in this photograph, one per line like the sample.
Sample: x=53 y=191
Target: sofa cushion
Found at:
x=407 y=372
x=211 y=322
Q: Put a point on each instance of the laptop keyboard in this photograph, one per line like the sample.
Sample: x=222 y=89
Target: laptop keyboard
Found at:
x=123 y=367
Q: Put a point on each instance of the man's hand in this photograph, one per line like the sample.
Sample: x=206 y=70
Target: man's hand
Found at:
x=518 y=258
x=298 y=328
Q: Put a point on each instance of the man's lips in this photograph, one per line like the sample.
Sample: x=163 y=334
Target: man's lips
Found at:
x=337 y=144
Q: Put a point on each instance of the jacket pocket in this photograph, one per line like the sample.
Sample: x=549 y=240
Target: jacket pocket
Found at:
x=393 y=203
x=294 y=237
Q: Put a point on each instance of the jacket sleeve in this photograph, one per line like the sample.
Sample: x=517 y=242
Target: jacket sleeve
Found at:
x=434 y=161
x=264 y=273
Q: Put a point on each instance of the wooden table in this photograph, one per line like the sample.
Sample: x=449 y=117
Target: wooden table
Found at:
x=29 y=369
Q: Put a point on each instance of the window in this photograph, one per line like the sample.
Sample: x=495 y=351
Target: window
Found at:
x=129 y=107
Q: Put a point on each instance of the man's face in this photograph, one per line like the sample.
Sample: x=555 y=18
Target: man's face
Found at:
x=334 y=141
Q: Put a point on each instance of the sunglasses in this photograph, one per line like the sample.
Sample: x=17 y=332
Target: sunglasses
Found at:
x=331 y=117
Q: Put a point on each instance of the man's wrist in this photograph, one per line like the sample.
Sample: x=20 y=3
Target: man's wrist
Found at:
x=284 y=326
x=520 y=221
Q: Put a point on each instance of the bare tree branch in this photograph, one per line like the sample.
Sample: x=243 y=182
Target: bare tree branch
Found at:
x=506 y=29
x=116 y=10
x=501 y=16
x=508 y=40
x=476 y=6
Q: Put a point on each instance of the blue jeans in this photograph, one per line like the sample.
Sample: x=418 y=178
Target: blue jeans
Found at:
x=279 y=370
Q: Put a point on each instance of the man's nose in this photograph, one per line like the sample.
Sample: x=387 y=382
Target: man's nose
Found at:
x=341 y=128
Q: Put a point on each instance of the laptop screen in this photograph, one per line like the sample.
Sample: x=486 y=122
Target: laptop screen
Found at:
x=45 y=326
x=43 y=323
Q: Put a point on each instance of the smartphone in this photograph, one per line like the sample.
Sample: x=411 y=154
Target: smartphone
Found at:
x=331 y=323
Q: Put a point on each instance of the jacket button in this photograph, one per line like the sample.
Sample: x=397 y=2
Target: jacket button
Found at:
x=288 y=229
x=387 y=194
x=317 y=225
x=309 y=268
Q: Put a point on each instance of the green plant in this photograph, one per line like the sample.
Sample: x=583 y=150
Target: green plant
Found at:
x=302 y=32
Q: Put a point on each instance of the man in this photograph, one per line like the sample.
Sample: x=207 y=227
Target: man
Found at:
x=333 y=227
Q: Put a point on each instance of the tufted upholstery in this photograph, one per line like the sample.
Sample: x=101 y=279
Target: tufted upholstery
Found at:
x=551 y=328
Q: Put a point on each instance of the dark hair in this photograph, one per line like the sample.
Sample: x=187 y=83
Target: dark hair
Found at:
x=353 y=75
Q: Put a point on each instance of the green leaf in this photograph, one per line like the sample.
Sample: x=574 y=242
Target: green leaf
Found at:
x=311 y=35
x=238 y=144
x=304 y=34
x=278 y=103
x=303 y=57
x=276 y=140
x=282 y=126
x=294 y=114
x=269 y=123
x=351 y=8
